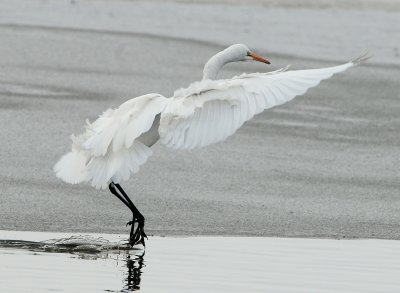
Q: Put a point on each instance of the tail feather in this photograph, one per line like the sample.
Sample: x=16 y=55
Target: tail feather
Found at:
x=116 y=166
x=71 y=168
x=80 y=165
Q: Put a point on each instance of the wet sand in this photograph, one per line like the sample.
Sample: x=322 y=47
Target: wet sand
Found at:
x=324 y=165
x=198 y=264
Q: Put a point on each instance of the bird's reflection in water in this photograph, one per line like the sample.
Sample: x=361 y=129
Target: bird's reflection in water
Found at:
x=129 y=262
x=134 y=263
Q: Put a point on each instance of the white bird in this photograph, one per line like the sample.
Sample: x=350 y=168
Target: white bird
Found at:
x=115 y=145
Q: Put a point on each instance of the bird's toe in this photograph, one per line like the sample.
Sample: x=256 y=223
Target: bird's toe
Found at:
x=137 y=234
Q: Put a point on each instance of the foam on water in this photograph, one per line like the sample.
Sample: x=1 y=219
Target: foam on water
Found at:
x=104 y=263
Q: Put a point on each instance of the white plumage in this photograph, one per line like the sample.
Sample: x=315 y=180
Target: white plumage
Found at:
x=210 y=111
x=115 y=145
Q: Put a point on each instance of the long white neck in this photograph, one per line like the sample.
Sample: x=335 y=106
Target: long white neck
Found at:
x=214 y=65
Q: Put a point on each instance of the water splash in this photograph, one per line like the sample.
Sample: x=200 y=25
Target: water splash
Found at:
x=74 y=244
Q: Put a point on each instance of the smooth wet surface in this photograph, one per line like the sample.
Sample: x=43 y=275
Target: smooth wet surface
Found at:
x=61 y=262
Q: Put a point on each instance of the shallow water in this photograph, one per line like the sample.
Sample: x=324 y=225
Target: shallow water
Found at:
x=61 y=262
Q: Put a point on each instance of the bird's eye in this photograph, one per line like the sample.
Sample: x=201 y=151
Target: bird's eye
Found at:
x=248 y=53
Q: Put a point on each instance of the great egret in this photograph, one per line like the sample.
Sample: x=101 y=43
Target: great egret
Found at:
x=115 y=145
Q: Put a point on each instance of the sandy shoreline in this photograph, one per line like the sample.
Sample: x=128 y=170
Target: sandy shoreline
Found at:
x=385 y=5
x=324 y=165
x=341 y=34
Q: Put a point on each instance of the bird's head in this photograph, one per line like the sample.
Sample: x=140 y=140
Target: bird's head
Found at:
x=234 y=53
x=240 y=52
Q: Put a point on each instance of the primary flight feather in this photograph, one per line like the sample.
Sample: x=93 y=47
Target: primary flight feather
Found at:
x=115 y=145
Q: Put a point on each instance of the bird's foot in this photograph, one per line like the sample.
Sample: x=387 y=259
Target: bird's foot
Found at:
x=137 y=233
x=130 y=223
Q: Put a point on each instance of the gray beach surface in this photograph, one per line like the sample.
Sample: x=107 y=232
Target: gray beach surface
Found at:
x=323 y=165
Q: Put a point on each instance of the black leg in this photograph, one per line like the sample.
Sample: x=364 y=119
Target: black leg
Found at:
x=133 y=208
x=114 y=191
x=137 y=234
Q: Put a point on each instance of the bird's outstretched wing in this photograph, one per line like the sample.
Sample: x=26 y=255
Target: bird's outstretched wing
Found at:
x=118 y=128
x=209 y=111
x=111 y=148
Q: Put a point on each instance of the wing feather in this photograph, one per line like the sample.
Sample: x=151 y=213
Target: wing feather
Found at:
x=111 y=148
x=120 y=127
x=209 y=111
